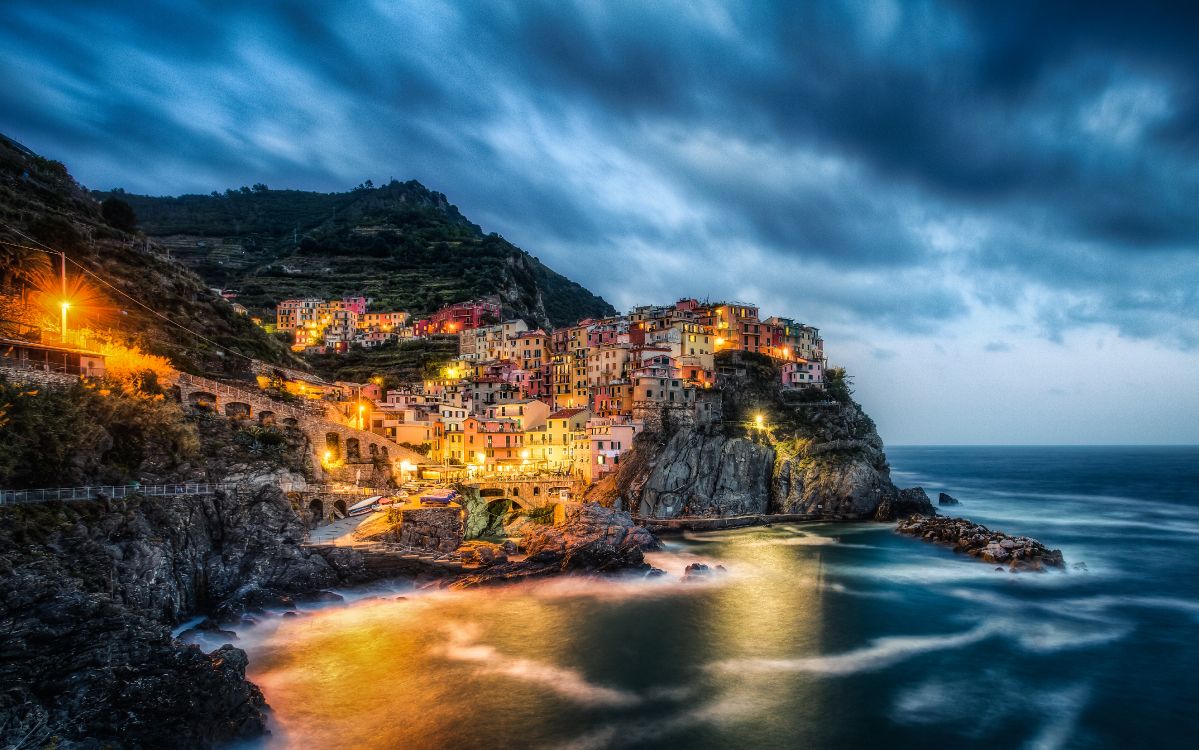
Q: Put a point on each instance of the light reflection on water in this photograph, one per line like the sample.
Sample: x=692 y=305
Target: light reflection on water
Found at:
x=819 y=636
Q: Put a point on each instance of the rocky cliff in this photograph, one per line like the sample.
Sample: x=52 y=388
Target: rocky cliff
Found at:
x=815 y=452
x=89 y=590
x=699 y=474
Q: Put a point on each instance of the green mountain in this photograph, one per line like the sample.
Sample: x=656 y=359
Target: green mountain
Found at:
x=120 y=282
x=403 y=245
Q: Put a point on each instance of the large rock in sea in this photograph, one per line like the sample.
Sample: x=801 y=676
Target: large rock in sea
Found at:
x=912 y=501
x=944 y=499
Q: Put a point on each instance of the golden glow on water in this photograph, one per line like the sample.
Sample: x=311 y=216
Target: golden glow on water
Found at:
x=555 y=663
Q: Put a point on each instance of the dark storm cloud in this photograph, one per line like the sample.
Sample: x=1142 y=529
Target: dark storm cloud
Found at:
x=894 y=163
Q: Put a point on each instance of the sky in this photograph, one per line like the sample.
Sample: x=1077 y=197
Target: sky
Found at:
x=989 y=209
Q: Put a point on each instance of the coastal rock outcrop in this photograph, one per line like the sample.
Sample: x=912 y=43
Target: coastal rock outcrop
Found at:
x=809 y=451
x=848 y=480
x=697 y=474
x=945 y=499
x=976 y=540
x=593 y=539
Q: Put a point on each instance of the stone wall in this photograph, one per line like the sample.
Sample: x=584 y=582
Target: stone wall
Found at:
x=29 y=376
x=436 y=529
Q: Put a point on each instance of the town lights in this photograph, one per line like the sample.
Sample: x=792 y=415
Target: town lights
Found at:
x=328 y=456
x=758 y=419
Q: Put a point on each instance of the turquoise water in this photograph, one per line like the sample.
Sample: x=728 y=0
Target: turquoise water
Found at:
x=820 y=636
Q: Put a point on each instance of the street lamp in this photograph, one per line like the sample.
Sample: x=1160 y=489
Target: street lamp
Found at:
x=65 y=306
x=361 y=416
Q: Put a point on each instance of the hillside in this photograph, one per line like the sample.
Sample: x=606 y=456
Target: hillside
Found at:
x=136 y=286
x=401 y=244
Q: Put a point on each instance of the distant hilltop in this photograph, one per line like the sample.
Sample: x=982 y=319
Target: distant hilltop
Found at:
x=402 y=245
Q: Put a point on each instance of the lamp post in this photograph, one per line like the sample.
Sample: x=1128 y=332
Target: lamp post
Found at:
x=65 y=306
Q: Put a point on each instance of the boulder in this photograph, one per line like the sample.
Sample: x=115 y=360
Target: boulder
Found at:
x=591 y=539
x=482 y=554
x=907 y=502
x=944 y=499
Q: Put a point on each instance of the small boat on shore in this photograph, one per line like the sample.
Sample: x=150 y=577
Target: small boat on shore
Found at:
x=438 y=497
x=366 y=505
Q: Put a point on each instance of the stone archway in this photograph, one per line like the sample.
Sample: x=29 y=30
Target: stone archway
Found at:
x=290 y=421
x=202 y=399
x=353 y=452
x=237 y=409
x=339 y=506
x=333 y=446
x=266 y=417
x=317 y=509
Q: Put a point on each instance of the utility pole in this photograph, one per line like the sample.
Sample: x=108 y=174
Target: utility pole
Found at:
x=64 y=303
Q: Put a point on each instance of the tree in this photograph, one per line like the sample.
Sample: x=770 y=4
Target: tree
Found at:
x=260 y=187
x=119 y=214
x=22 y=266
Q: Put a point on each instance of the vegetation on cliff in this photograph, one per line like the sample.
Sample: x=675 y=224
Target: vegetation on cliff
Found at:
x=117 y=432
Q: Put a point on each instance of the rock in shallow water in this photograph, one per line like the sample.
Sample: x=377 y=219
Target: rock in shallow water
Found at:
x=592 y=539
x=944 y=499
x=912 y=501
x=1018 y=553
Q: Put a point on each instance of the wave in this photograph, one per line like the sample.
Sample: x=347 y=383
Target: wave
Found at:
x=880 y=654
x=972 y=705
x=462 y=645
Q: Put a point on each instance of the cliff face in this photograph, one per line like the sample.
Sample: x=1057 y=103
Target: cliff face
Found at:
x=698 y=474
x=88 y=592
x=815 y=453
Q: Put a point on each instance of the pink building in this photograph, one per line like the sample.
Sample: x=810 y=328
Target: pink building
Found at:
x=803 y=373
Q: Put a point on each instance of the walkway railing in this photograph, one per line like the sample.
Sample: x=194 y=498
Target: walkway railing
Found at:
x=18 y=497
x=118 y=491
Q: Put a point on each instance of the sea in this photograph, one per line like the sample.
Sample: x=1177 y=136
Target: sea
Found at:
x=818 y=636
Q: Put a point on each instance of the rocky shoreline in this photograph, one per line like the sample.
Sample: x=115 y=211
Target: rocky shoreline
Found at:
x=995 y=547
x=592 y=539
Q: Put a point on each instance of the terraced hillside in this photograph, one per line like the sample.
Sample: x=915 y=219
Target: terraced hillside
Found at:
x=401 y=244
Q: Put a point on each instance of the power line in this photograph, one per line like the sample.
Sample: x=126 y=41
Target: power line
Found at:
x=47 y=248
